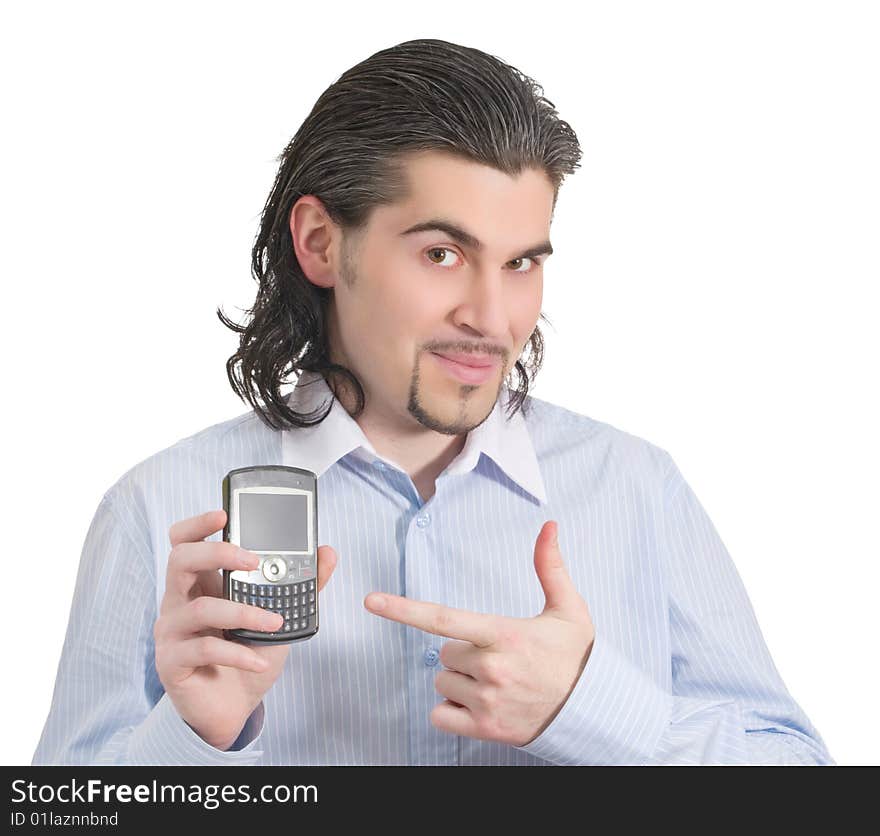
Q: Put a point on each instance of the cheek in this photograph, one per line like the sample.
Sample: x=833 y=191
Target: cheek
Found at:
x=408 y=300
x=398 y=287
x=525 y=312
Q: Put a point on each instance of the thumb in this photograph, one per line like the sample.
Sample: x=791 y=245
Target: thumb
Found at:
x=559 y=591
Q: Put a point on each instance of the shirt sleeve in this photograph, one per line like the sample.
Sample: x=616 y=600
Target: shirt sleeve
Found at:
x=728 y=704
x=108 y=706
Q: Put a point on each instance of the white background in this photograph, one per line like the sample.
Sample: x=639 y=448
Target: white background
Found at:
x=714 y=288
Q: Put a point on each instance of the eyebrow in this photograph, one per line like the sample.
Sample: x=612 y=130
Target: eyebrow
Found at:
x=471 y=241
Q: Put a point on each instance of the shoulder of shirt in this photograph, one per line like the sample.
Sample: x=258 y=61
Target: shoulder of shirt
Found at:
x=557 y=430
x=553 y=429
x=241 y=432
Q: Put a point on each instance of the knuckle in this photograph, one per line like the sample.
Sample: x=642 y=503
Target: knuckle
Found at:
x=491 y=668
x=177 y=559
x=486 y=698
x=202 y=649
x=173 y=559
x=201 y=606
x=442 y=620
x=160 y=671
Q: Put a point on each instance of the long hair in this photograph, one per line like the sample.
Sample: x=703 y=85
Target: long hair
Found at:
x=349 y=152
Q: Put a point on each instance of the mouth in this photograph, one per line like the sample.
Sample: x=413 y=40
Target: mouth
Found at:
x=464 y=372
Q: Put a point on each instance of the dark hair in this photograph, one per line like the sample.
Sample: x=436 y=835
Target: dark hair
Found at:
x=349 y=152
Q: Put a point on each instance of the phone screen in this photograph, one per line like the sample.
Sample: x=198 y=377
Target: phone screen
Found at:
x=273 y=522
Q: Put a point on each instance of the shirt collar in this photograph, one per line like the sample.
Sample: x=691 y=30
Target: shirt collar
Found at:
x=316 y=448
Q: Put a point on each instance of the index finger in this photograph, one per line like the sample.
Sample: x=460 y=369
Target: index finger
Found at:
x=474 y=627
x=197 y=528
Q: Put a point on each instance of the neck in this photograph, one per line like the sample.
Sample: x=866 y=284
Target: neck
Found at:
x=421 y=453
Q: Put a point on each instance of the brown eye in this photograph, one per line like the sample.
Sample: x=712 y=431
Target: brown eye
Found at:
x=441 y=251
x=533 y=264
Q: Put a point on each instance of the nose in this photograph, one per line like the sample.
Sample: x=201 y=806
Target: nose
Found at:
x=484 y=307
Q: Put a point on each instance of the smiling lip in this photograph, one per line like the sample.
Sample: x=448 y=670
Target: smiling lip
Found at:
x=476 y=361
x=466 y=373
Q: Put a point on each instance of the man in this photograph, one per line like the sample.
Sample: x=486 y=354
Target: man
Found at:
x=400 y=264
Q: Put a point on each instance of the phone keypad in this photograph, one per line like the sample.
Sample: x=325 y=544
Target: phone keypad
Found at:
x=295 y=601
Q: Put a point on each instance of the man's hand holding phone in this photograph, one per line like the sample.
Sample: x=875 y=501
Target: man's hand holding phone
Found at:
x=215 y=683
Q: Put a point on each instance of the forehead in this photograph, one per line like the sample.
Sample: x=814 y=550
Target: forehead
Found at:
x=442 y=184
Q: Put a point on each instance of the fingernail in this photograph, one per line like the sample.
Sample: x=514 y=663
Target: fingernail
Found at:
x=376 y=602
x=248 y=559
x=555 y=534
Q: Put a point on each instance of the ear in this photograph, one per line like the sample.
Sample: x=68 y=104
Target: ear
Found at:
x=315 y=241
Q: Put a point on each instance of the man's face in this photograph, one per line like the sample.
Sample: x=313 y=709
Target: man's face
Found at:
x=404 y=296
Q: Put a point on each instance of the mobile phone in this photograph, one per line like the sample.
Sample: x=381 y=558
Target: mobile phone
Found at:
x=272 y=510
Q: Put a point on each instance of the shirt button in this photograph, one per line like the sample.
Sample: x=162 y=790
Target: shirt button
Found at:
x=423 y=520
x=379 y=465
x=432 y=656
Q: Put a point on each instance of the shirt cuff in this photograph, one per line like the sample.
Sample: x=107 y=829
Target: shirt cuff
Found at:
x=615 y=715
x=253 y=728
x=165 y=739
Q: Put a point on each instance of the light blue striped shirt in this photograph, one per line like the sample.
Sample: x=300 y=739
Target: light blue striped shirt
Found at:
x=679 y=672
